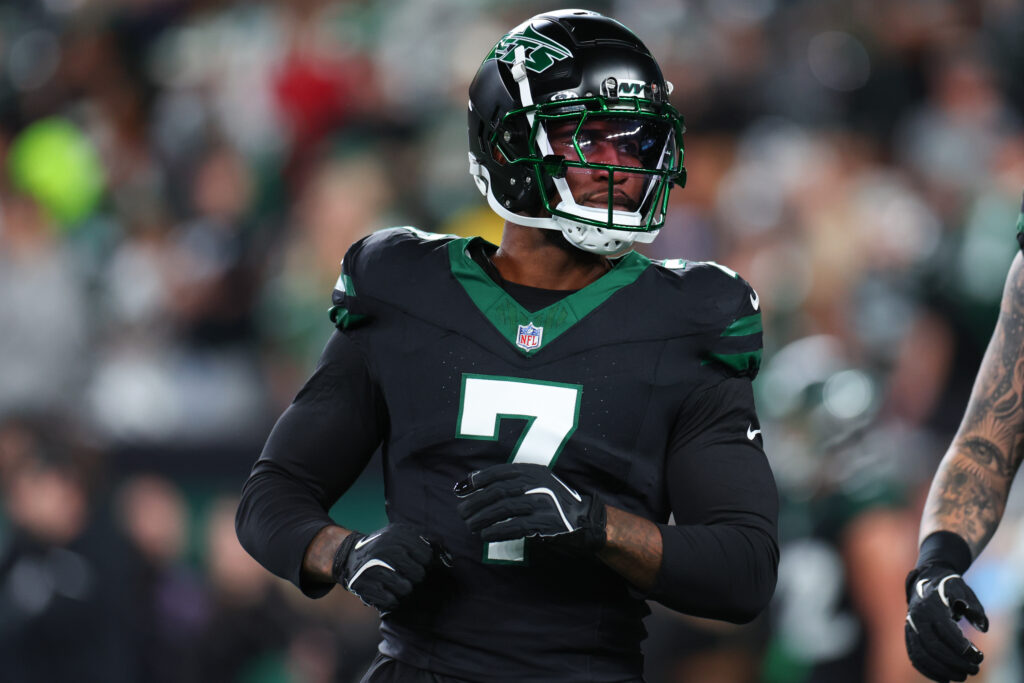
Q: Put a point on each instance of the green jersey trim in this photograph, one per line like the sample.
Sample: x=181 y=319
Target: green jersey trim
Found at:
x=508 y=316
x=343 y=318
x=741 y=327
x=740 y=362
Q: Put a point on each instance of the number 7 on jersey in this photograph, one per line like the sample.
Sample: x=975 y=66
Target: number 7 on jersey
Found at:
x=551 y=411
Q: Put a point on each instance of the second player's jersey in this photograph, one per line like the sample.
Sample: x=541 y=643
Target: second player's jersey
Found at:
x=593 y=386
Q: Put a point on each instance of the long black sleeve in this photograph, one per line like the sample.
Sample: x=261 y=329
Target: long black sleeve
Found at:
x=720 y=559
x=317 y=448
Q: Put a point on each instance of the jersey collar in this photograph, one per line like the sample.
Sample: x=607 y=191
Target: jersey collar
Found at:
x=509 y=318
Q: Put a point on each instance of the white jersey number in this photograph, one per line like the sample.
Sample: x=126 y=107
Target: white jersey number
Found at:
x=551 y=411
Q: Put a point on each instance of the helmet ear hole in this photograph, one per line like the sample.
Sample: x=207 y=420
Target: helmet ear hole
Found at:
x=497 y=155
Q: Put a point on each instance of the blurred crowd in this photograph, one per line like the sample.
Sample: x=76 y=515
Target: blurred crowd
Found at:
x=180 y=179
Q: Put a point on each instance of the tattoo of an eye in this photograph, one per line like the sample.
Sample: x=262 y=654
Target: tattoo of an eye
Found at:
x=987 y=456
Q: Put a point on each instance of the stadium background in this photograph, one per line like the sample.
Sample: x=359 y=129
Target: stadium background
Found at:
x=180 y=178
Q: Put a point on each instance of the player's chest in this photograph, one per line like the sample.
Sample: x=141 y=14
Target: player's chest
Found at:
x=601 y=413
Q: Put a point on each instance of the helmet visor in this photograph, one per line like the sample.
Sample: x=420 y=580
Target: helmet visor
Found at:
x=610 y=169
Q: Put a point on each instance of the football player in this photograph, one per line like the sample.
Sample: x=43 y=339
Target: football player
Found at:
x=542 y=406
x=968 y=497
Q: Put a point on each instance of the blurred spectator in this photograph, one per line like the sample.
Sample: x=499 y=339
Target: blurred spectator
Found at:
x=188 y=293
x=44 y=313
x=248 y=626
x=323 y=223
x=63 y=611
x=170 y=600
x=845 y=478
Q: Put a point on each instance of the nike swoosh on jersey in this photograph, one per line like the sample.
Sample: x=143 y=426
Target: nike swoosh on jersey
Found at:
x=751 y=432
x=755 y=300
x=369 y=539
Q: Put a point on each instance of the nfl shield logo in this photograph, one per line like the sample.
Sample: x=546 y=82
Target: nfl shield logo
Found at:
x=528 y=338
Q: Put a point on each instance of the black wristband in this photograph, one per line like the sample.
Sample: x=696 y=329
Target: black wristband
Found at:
x=940 y=548
x=341 y=555
x=945 y=547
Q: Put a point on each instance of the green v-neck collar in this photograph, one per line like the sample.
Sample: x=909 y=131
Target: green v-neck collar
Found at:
x=529 y=332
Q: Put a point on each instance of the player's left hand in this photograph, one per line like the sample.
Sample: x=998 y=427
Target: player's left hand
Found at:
x=938 y=598
x=519 y=500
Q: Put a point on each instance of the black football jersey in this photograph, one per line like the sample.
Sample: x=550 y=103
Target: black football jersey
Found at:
x=593 y=386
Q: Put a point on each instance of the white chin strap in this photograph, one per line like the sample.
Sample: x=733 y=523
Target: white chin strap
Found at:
x=596 y=240
x=603 y=241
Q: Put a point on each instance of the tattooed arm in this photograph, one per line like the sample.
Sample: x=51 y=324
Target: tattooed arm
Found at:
x=970 y=488
x=967 y=500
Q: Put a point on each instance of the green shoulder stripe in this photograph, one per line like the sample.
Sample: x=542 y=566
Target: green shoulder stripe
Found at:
x=751 y=360
x=740 y=327
x=343 y=318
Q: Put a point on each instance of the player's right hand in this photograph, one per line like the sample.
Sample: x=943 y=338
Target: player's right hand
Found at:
x=382 y=568
x=937 y=599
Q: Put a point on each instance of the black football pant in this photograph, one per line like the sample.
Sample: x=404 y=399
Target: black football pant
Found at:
x=384 y=669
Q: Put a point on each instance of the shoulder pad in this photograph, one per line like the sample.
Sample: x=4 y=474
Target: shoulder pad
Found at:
x=373 y=266
x=729 y=310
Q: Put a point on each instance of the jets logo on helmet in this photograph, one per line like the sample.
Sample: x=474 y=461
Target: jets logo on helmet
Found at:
x=541 y=52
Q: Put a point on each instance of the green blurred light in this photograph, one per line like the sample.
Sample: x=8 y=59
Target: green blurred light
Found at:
x=53 y=161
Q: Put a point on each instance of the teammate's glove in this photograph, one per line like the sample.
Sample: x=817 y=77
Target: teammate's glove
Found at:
x=938 y=599
x=383 y=568
x=518 y=500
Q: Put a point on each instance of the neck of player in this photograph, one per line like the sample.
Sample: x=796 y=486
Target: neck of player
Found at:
x=532 y=257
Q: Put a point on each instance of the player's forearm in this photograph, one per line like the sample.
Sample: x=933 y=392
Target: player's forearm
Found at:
x=276 y=521
x=969 y=493
x=633 y=548
x=318 y=562
x=717 y=571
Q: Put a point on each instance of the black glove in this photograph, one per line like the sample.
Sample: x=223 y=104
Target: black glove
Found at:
x=383 y=568
x=518 y=500
x=938 y=598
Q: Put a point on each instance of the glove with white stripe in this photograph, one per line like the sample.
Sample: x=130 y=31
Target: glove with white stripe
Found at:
x=519 y=500
x=938 y=598
x=383 y=568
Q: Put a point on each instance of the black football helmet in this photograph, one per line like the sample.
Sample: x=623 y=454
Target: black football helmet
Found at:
x=570 y=128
